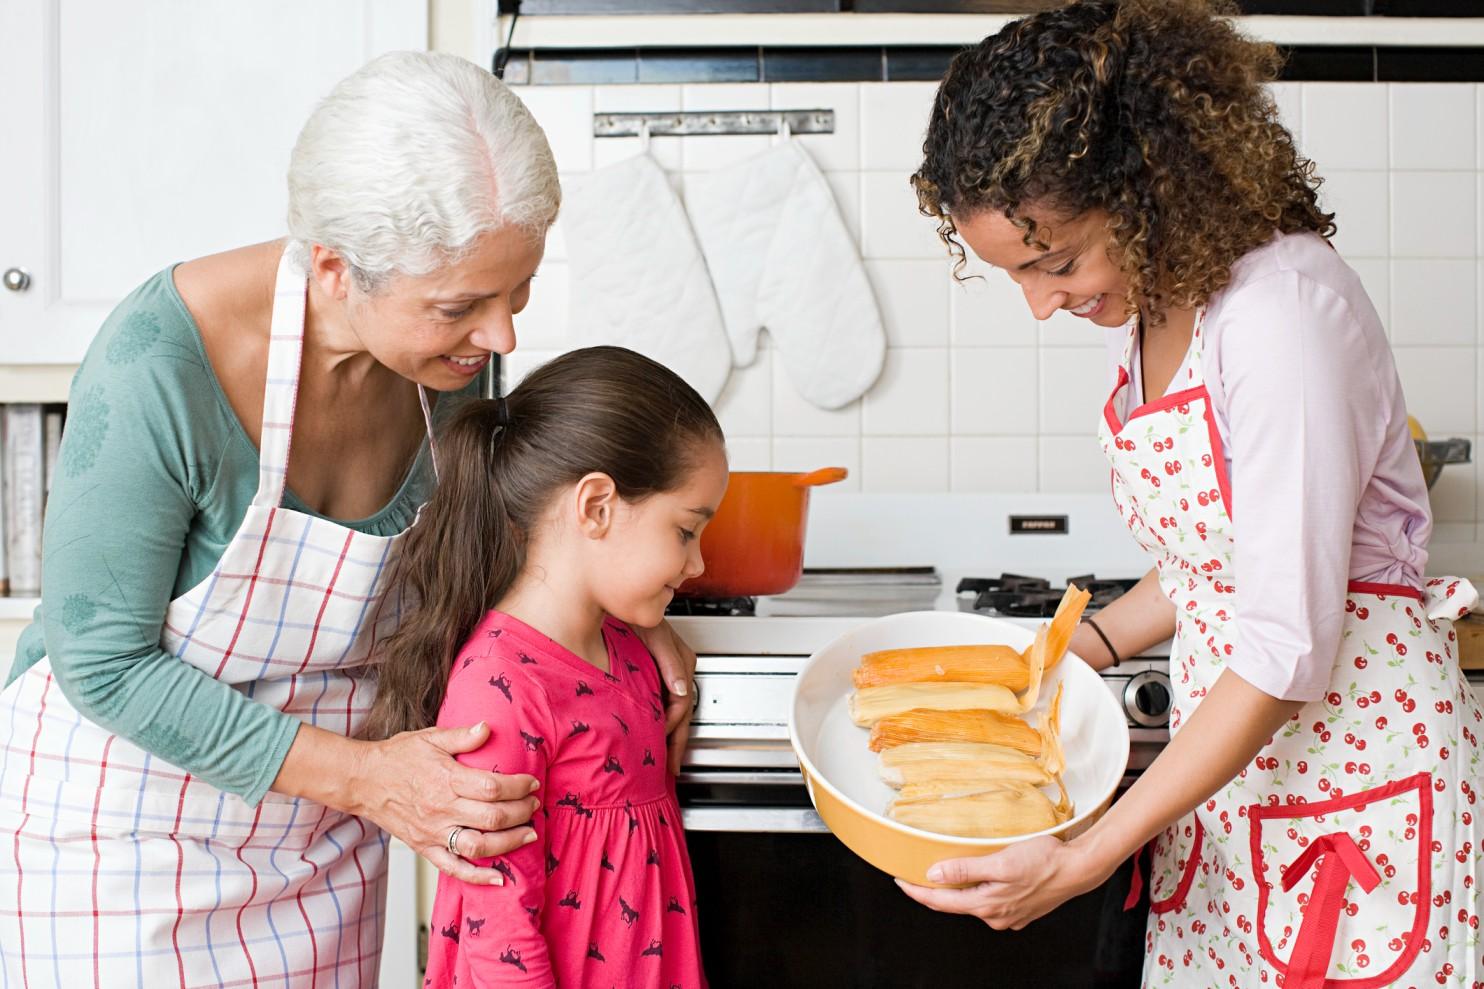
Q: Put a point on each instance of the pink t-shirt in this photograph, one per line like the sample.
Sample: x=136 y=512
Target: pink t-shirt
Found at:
x=1326 y=487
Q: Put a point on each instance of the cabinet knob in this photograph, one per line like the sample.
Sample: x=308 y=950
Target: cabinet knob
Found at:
x=17 y=279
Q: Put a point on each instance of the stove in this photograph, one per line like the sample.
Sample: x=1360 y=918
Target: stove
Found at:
x=713 y=607
x=1014 y=596
x=747 y=663
x=1142 y=684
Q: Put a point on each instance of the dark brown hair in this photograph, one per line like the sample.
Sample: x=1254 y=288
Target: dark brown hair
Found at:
x=598 y=409
x=1152 y=110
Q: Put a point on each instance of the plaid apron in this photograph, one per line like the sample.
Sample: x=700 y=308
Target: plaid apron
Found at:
x=123 y=870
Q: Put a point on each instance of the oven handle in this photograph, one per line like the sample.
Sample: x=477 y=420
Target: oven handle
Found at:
x=774 y=820
x=775 y=777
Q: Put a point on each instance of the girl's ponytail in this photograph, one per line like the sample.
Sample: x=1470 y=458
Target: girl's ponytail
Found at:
x=457 y=561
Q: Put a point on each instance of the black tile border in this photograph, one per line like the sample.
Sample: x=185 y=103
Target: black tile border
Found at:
x=1431 y=64
x=895 y=63
x=927 y=63
x=1328 y=63
x=670 y=65
x=1328 y=8
x=818 y=64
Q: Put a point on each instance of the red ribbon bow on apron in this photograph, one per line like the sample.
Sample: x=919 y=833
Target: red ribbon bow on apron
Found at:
x=1340 y=860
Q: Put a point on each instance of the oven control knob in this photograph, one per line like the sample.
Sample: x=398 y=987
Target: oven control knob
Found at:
x=1147 y=699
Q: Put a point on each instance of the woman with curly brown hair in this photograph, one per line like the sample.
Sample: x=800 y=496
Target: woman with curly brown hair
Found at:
x=1312 y=815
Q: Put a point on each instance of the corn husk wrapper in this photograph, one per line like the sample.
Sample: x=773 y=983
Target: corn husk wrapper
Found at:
x=997 y=664
x=960 y=763
x=1005 y=810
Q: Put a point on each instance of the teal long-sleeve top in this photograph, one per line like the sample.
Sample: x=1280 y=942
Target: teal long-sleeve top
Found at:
x=154 y=477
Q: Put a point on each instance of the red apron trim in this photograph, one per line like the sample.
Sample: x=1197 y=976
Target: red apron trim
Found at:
x=1108 y=413
x=1422 y=783
x=1168 y=402
x=1176 y=900
x=1340 y=860
x=1136 y=879
x=97 y=859
x=1384 y=590
x=1218 y=454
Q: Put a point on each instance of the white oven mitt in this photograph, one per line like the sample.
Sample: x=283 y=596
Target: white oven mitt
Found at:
x=781 y=257
x=637 y=276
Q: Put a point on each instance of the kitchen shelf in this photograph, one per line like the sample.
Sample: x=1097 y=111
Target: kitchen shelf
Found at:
x=17 y=609
x=43 y=383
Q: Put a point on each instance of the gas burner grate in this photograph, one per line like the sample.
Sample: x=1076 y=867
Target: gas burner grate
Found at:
x=714 y=607
x=1017 y=596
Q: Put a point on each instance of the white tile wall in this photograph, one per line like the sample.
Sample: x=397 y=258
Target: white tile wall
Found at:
x=976 y=395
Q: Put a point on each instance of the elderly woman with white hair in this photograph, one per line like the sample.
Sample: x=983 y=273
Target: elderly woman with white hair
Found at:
x=183 y=796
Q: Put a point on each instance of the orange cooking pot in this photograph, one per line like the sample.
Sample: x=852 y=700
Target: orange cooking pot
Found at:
x=755 y=544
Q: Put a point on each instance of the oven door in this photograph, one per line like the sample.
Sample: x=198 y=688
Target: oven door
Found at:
x=781 y=902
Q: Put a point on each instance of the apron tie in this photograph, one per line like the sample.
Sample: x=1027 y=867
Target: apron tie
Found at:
x=1136 y=880
x=1340 y=860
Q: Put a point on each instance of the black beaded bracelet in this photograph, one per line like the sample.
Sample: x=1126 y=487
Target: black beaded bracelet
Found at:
x=1111 y=651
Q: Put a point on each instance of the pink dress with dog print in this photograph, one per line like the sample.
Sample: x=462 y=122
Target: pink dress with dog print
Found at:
x=605 y=896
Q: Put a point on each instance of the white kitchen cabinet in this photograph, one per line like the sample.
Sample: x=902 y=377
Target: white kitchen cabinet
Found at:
x=140 y=132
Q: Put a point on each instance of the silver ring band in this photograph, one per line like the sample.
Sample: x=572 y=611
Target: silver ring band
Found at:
x=453 y=838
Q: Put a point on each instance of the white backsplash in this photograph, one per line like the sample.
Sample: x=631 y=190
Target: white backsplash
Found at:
x=976 y=397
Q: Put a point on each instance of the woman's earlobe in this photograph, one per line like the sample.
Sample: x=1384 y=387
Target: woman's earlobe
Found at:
x=330 y=270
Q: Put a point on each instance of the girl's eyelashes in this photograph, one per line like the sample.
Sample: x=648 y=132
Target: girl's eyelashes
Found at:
x=686 y=535
x=1065 y=269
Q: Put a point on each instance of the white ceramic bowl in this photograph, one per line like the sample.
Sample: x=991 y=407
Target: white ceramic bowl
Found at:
x=840 y=769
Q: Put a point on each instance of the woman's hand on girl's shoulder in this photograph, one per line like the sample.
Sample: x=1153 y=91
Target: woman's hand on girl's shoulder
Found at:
x=677 y=664
x=413 y=786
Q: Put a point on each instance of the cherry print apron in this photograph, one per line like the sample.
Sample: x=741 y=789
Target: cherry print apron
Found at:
x=125 y=870
x=1347 y=854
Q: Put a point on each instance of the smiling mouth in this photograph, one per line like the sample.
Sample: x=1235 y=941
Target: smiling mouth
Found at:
x=467 y=361
x=1089 y=307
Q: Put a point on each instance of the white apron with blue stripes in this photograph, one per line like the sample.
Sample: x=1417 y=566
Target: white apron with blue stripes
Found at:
x=123 y=870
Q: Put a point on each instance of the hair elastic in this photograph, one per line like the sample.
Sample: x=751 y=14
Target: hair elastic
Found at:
x=1111 y=651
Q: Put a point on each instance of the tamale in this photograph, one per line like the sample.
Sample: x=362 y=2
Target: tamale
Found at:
x=926 y=725
x=1003 y=811
x=870 y=704
x=936 y=664
x=963 y=763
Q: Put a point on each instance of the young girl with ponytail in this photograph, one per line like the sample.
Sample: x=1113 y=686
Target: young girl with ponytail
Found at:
x=565 y=514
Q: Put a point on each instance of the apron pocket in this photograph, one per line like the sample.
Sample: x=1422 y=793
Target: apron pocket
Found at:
x=1344 y=885
x=1174 y=857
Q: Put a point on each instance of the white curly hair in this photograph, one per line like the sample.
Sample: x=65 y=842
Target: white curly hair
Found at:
x=412 y=157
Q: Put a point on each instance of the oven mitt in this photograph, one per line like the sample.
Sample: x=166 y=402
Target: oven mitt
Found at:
x=781 y=257
x=637 y=276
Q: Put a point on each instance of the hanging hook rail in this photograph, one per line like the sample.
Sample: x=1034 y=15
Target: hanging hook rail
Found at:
x=713 y=122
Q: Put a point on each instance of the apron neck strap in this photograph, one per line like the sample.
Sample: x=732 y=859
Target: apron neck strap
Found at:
x=281 y=389
x=1193 y=354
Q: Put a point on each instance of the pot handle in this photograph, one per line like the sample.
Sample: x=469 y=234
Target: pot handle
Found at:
x=825 y=475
